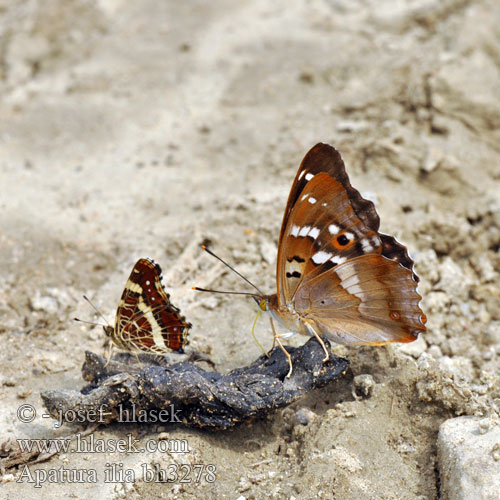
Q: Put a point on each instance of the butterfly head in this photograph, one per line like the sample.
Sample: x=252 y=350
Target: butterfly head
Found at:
x=263 y=303
x=266 y=303
x=108 y=330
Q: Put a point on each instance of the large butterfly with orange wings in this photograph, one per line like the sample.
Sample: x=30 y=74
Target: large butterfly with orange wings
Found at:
x=337 y=276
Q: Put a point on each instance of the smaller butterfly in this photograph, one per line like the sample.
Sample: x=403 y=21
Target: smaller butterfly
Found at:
x=146 y=320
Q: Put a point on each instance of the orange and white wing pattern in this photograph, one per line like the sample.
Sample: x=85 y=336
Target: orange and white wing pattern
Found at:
x=338 y=276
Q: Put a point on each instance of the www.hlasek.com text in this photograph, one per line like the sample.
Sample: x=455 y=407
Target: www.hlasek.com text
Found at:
x=100 y=445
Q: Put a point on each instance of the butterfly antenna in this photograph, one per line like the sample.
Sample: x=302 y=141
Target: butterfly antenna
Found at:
x=99 y=313
x=204 y=247
x=87 y=322
x=198 y=289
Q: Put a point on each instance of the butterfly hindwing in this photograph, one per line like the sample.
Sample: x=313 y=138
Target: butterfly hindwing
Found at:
x=366 y=300
x=146 y=320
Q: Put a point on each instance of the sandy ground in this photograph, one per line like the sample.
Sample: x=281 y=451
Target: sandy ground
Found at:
x=131 y=129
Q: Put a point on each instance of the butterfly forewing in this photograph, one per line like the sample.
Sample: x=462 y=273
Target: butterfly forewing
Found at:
x=325 y=158
x=322 y=231
x=146 y=320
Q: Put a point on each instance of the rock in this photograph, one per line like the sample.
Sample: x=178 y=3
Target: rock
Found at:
x=426 y=264
x=453 y=280
x=432 y=160
x=352 y=126
x=484 y=268
x=466 y=455
x=44 y=303
x=304 y=416
x=51 y=302
x=436 y=302
x=459 y=366
x=7 y=478
x=268 y=251
x=492 y=333
x=344 y=459
x=415 y=348
x=435 y=351
x=364 y=384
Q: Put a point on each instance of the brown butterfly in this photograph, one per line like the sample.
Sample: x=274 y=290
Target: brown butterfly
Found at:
x=146 y=320
x=337 y=276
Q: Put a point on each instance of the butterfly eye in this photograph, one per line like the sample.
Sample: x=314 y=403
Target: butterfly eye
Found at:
x=263 y=305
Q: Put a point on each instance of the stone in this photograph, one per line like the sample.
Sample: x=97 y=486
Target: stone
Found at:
x=304 y=416
x=364 y=384
x=415 y=348
x=268 y=251
x=466 y=456
x=453 y=280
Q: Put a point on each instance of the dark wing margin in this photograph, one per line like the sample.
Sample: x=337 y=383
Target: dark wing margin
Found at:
x=392 y=249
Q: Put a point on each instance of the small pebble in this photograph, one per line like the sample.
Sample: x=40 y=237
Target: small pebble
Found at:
x=304 y=416
x=364 y=384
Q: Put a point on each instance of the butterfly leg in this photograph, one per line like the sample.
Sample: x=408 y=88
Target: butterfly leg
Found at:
x=109 y=349
x=287 y=354
x=274 y=336
x=312 y=331
x=136 y=354
x=276 y=340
